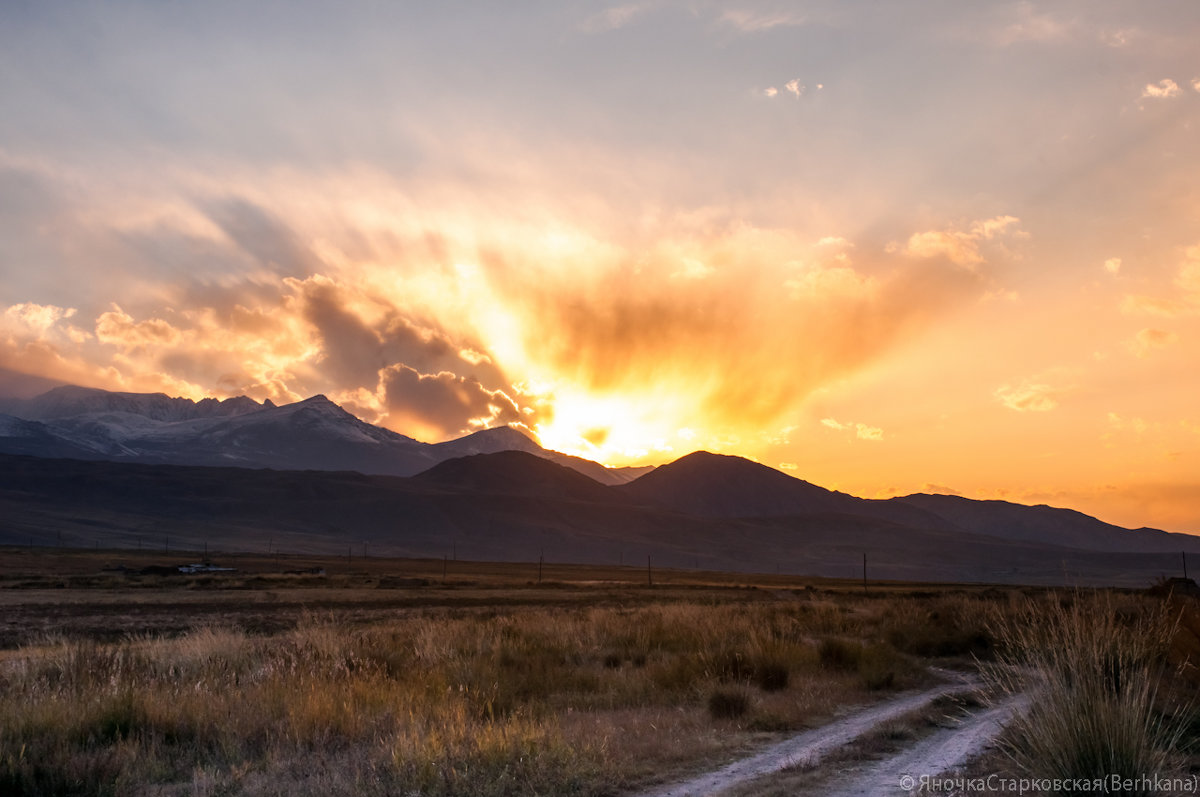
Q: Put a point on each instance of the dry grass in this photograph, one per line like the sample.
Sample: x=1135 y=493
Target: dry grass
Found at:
x=521 y=700
x=1093 y=665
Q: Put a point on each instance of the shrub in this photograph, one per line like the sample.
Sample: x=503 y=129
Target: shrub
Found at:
x=728 y=703
x=771 y=675
x=839 y=654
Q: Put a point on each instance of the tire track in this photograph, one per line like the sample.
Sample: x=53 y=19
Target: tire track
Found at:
x=808 y=748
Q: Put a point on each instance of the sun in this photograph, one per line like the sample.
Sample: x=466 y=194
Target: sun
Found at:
x=612 y=430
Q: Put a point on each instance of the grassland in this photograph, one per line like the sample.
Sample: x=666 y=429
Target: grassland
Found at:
x=440 y=678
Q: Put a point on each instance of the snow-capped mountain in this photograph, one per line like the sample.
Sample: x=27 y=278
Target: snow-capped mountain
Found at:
x=70 y=400
x=314 y=434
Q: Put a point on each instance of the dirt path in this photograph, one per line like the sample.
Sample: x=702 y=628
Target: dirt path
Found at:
x=939 y=754
x=807 y=749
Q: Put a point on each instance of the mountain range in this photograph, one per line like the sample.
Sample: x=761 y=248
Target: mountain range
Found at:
x=87 y=467
x=314 y=434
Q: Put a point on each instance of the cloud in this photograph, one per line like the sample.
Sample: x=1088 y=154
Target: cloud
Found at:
x=861 y=430
x=864 y=432
x=1188 y=278
x=1113 y=265
x=958 y=246
x=442 y=404
x=259 y=233
x=831 y=282
x=611 y=18
x=1032 y=26
x=788 y=466
x=118 y=328
x=730 y=353
x=1187 y=300
x=1147 y=340
x=1196 y=83
x=794 y=87
x=753 y=21
x=1118 y=38
x=1163 y=89
x=1153 y=305
x=692 y=269
x=1029 y=397
x=37 y=318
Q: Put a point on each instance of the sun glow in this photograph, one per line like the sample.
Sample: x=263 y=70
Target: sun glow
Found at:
x=613 y=430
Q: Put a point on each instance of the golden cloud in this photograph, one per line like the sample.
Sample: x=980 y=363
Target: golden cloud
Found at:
x=1187 y=282
x=118 y=328
x=1146 y=340
x=1163 y=89
x=1029 y=397
x=960 y=247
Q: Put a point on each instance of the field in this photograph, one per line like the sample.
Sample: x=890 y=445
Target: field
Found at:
x=382 y=676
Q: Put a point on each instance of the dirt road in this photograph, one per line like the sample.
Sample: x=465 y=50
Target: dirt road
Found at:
x=941 y=752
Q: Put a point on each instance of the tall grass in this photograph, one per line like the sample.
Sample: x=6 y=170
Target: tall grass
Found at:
x=1091 y=665
x=542 y=700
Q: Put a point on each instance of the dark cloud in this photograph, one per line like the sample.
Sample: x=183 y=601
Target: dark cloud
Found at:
x=15 y=384
x=355 y=350
x=267 y=239
x=444 y=401
x=26 y=195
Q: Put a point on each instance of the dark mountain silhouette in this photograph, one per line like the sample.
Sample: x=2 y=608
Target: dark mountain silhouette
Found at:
x=1047 y=524
x=506 y=438
x=296 y=473
x=505 y=506
x=515 y=473
x=723 y=486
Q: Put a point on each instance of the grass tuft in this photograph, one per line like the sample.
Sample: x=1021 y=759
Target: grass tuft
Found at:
x=1092 y=669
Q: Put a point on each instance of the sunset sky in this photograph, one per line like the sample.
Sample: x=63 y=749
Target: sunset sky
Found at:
x=886 y=247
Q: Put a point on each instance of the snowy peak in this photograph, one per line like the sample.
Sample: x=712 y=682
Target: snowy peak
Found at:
x=490 y=441
x=312 y=434
x=70 y=401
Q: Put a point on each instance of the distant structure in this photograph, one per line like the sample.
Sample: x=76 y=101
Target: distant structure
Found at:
x=192 y=569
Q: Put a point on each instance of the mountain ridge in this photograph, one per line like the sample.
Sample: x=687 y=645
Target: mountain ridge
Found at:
x=312 y=434
x=501 y=512
x=506 y=465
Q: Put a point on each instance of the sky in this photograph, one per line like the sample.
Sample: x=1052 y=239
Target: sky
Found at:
x=884 y=247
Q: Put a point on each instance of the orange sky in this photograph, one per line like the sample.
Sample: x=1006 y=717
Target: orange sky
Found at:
x=940 y=248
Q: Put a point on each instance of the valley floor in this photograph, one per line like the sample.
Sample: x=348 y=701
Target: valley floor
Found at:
x=373 y=676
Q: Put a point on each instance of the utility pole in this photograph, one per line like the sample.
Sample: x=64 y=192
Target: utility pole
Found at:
x=1184 y=555
x=864 y=571
x=443 y=568
x=649 y=572
x=541 y=558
